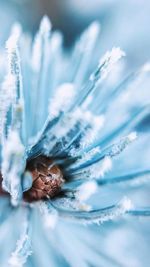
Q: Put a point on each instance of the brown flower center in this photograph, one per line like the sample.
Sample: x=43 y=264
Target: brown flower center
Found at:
x=47 y=179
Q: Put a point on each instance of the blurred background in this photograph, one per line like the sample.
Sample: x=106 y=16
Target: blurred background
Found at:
x=124 y=23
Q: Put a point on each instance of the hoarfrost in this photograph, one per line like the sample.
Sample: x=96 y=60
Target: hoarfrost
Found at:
x=86 y=190
x=13 y=165
x=61 y=100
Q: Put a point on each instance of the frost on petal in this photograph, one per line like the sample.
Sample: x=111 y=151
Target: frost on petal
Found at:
x=99 y=216
x=23 y=247
x=14 y=72
x=86 y=156
x=106 y=154
x=126 y=204
x=92 y=170
x=72 y=126
x=95 y=123
x=86 y=190
x=132 y=136
x=83 y=53
x=12 y=42
x=62 y=99
x=85 y=131
x=50 y=217
x=17 y=260
x=7 y=98
x=100 y=169
x=39 y=43
x=13 y=54
x=117 y=148
x=120 y=209
x=107 y=62
x=45 y=25
x=13 y=164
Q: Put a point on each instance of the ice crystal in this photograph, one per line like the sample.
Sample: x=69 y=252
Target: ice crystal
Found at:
x=23 y=247
x=86 y=190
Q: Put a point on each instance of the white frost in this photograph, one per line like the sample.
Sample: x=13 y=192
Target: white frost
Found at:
x=96 y=123
x=61 y=100
x=126 y=204
x=101 y=168
x=23 y=246
x=12 y=164
x=107 y=62
x=45 y=25
x=12 y=42
x=39 y=41
x=50 y=218
x=7 y=97
x=132 y=136
x=86 y=190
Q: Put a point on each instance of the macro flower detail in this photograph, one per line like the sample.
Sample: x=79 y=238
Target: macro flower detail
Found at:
x=66 y=135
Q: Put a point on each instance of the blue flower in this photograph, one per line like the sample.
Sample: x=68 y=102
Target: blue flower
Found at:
x=75 y=142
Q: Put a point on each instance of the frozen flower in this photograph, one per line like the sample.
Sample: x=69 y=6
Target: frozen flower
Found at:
x=69 y=142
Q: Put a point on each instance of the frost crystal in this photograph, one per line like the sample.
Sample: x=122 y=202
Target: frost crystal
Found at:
x=7 y=97
x=61 y=100
x=100 y=169
x=13 y=165
x=50 y=218
x=86 y=190
x=107 y=62
x=23 y=247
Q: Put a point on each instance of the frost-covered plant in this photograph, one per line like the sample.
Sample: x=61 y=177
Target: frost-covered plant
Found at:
x=96 y=134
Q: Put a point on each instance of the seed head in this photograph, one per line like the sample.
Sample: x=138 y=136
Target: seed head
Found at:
x=47 y=179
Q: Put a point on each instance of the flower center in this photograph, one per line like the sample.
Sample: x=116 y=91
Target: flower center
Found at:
x=47 y=179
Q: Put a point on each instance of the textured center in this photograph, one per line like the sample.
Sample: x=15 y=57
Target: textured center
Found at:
x=47 y=179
